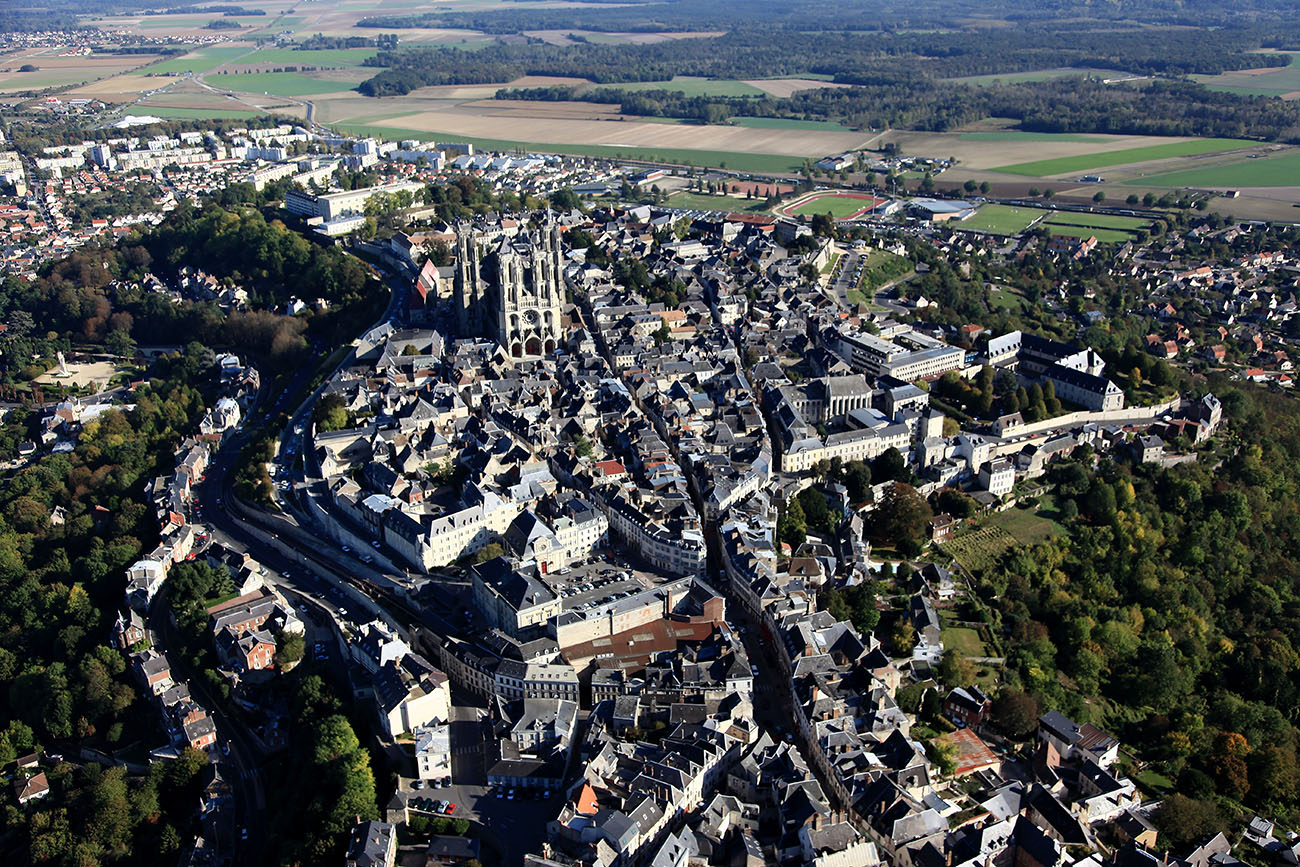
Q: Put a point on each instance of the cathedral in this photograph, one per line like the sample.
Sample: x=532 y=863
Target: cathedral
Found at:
x=511 y=288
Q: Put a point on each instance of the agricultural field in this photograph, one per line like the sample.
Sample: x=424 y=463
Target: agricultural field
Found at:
x=785 y=123
x=745 y=162
x=54 y=71
x=277 y=84
x=1085 y=162
x=201 y=60
x=173 y=111
x=1001 y=219
x=784 y=87
x=980 y=549
x=1017 y=135
x=1040 y=75
x=988 y=148
x=348 y=57
x=1281 y=81
x=692 y=86
x=1274 y=171
x=549 y=130
x=1097 y=221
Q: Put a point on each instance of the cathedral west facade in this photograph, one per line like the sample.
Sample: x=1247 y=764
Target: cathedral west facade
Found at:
x=511 y=289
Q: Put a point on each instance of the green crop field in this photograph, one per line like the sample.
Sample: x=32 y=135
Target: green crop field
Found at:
x=744 y=162
x=1038 y=75
x=199 y=61
x=1106 y=236
x=1084 y=162
x=1097 y=221
x=838 y=207
x=1017 y=135
x=277 y=84
x=693 y=86
x=1001 y=219
x=1275 y=171
x=785 y=123
x=197 y=113
x=314 y=57
x=1276 y=82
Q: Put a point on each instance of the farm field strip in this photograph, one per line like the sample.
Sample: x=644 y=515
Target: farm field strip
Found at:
x=200 y=61
x=752 y=162
x=691 y=86
x=1274 y=171
x=1084 y=162
x=277 y=83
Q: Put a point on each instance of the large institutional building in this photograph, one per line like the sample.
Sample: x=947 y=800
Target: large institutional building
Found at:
x=511 y=289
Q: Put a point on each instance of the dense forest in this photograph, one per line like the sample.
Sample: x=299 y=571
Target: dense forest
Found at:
x=847 y=57
x=1169 y=610
x=901 y=80
x=891 y=15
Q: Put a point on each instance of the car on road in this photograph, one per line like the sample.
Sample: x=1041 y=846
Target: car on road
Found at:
x=243 y=834
x=375 y=545
x=346 y=549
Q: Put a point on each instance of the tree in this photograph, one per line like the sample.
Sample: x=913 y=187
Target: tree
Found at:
x=582 y=445
x=902 y=515
x=1015 y=713
x=956 y=670
x=490 y=551
x=792 y=527
x=857 y=479
x=1182 y=821
x=1228 y=764
x=890 y=466
x=289 y=648
x=1099 y=197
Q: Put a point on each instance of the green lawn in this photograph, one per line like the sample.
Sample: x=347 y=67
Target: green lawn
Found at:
x=702 y=202
x=777 y=163
x=1027 y=526
x=838 y=207
x=1106 y=236
x=693 y=86
x=1283 y=169
x=277 y=84
x=878 y=268
x=1097 y=221
x=196 y=113
x=1017 y=135
x=786 y=123
x=199 y=61
x=1006 y=299
x=314 y=57
x=1001 y=219
x=1084 y=162
x=964 y=640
